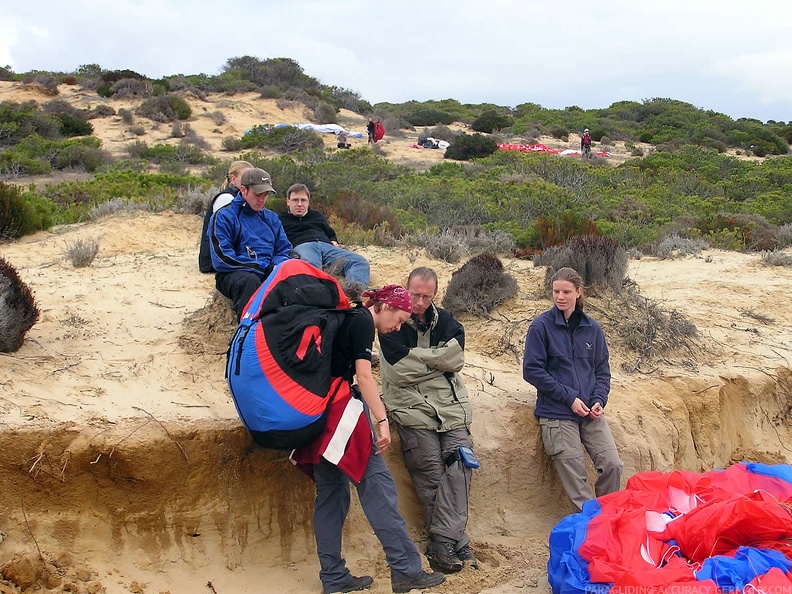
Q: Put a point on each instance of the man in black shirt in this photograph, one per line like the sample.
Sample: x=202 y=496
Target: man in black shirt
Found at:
x=315 y=241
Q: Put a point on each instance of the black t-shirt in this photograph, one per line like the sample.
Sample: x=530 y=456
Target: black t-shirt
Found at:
x=353 y=341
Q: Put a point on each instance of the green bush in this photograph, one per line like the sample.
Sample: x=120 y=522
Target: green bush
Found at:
x=19 y=120
x=284 y=139
x=490 y=121
x=324 y=113
x=22 y=213
x=76 y=199
x=471 y=146
x=166 y=108
x=71 y=125
x=428 y=116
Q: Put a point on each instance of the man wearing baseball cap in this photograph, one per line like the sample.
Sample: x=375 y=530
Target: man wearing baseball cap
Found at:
x=246 y=240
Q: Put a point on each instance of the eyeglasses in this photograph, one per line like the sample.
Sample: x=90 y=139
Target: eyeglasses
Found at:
x=418 y=297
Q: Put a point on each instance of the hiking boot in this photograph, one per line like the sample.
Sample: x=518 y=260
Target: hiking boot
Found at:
x=443 y=554
x=423 y=581
x=467 y=557
x=355 y=584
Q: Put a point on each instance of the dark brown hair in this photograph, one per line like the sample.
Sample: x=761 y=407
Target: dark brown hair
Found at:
x=298 y=188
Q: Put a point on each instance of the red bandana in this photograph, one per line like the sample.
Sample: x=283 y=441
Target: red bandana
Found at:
x=392 y=295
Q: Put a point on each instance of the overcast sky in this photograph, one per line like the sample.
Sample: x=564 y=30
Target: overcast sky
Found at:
x=729 y=56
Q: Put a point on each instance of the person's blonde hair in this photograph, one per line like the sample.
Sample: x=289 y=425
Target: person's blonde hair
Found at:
x=233 y=169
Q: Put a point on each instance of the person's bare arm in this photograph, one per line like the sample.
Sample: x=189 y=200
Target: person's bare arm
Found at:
x=370 y=392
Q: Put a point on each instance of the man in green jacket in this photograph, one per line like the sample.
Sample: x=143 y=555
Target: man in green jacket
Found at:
x=429 y=404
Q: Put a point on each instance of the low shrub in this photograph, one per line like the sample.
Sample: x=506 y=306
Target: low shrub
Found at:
x=15 y=215
x=82 y=252
x=428 y=116
x=166 y=108
x=776 y=258
x=161 y=153
x=231 y=144
x=490 y=121
x=113 y=207
x=445 y=245
x=191 y=200
x=784 y=236
x=558 y=132
x=218 y=117
x=132 y=88
x=645 y=327
x=324 y=113
x=470 y=146
x=101 y=111
x=479 y=286
x=126 y=116
x=441 y=132
x=453 y=244
x=45 y=82
x=193 y=138
x=285 y=139
x=600 y=261
x=18 y=310
x=88 y=158
x=73 y=125
x=675 y=246
x=23 y=212
x=178 y=130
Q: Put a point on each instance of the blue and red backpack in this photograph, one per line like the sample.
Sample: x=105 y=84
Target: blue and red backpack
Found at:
x=279 y=361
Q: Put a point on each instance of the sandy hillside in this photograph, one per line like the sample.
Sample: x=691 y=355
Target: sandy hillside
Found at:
x=241 y=112
x=124 y=465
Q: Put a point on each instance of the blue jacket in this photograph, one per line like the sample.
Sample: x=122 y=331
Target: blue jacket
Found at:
x=563 y=367
x=242 y=239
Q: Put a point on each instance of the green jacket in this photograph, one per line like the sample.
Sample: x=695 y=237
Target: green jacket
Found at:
x=420 y=373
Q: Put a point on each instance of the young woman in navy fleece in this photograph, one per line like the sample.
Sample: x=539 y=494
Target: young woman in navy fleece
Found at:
x=566 y=360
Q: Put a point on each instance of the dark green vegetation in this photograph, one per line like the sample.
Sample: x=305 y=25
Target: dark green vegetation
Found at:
x=686 y=186
x=656 y=121
x=541 y=200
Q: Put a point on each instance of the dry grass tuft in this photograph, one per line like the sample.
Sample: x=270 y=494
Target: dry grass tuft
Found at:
x=81 y=253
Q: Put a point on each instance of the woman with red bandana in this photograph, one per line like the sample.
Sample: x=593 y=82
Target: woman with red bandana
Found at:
x=346 y=450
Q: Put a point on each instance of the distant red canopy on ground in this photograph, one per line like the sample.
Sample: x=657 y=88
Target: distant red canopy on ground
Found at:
x=541 y=148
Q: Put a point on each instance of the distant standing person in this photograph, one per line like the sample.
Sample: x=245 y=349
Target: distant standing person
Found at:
x=246 y=240
x=427 y=399
x=315 y=240
x=585 y=143
x=566 y=359
x=370 y=130
x=346 y=451
x=227 y=192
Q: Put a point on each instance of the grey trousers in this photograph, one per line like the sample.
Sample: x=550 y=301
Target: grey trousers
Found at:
x=564 y=441
x=442 y=492
x=377 y=494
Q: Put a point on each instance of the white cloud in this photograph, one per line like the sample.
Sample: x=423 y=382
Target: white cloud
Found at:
x=763 y=74
x=502 y=51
